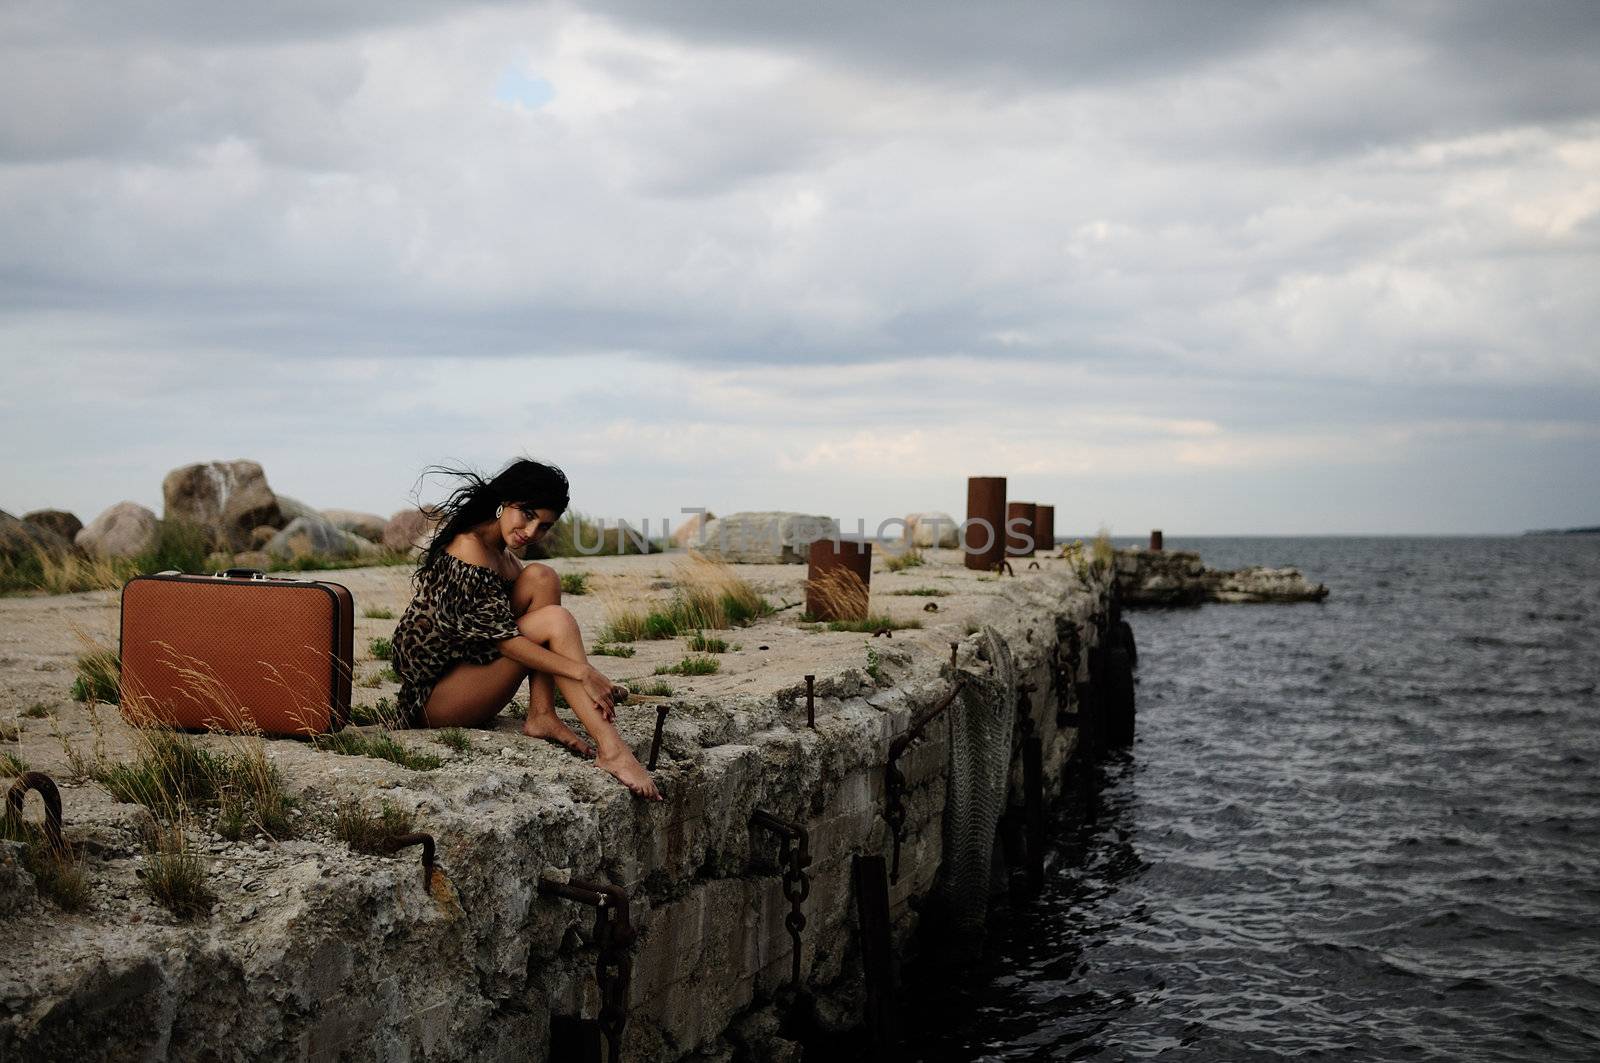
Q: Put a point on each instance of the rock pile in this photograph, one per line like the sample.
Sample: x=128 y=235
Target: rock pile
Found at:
x=230 y=506
x=1179 y=577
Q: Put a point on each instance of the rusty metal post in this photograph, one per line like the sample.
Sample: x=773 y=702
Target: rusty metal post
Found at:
x=811 y=702
x=1155 y=540
x=1044 y=527
x=655 y=742
x=983 y=535
x=831 y=593
x=877 y=958
x=1021 y=539
x=405 y=841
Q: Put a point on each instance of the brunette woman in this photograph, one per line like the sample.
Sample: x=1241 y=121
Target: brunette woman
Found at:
x=482 y=622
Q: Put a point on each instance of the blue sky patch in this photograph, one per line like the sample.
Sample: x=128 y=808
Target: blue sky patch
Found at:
x=516 y=85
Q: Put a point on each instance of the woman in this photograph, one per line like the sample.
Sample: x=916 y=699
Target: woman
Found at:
x=481 y=623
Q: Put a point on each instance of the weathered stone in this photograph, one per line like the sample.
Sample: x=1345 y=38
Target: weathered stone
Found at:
x=59 y=521
x=316 y=537
x=19 y=538
x=408 y=531
x=369 y=526
x=127 y=529
x=933 y=530
x=261 y=535
x=770 y=538
x=229 y=498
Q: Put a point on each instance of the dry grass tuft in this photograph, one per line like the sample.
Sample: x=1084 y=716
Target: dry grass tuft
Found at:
x=368 y=832
x=1101 y=551
x=837 y=594
x=174 y=871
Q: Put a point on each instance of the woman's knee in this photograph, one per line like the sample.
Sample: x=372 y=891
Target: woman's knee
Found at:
x=537 y=586
x=546 y=622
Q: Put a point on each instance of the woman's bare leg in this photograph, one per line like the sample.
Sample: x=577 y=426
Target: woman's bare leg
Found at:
x=553 y=627
x=470 y=695
x=537 y=587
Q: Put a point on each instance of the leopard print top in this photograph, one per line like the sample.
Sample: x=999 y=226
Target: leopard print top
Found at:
x=461 y=613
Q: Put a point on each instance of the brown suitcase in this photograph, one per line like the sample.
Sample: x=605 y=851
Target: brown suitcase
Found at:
x=237 y=651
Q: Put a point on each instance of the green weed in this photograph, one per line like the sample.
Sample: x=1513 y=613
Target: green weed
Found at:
x=99 y=674
x=649 y=687
x=453 y=738
x=604 y=650
x=911 y=558
x=574 y=583
x=381 y=648
x=700 y=644
x=378 y=613
x=355 y=744
x=691 y=666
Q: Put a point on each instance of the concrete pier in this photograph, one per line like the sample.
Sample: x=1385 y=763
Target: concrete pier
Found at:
x=313 y=952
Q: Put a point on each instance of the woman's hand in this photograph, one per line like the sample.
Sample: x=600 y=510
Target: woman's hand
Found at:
x=598 y=687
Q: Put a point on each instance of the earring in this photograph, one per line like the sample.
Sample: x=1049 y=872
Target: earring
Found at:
x=499 y=510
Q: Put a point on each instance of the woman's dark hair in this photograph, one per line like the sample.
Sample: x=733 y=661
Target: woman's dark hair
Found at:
x=476 y=499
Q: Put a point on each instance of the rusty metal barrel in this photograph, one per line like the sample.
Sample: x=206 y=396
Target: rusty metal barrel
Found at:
x=838 y=579
x=1155 y=539
x=1021 y=539
x=1044 y=526
x=983 y=534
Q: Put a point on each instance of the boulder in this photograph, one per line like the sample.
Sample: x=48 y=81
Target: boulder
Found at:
x=19 y=538
x=261 y=535
x=408 y=531
x=127 y=529
x=688 y=533
x=933 y=530
x=290 y=509
x=771 y=538
x=367 y=525
x=317 y=537
x=228 y=498
x=59 y=521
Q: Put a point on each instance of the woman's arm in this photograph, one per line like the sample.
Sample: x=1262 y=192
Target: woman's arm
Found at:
x=528 y=652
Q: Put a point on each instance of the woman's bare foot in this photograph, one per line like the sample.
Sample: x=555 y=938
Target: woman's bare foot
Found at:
x=551 y=728
x=630 y=773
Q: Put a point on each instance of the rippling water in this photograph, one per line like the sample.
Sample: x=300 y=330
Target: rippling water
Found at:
x=1367 y=829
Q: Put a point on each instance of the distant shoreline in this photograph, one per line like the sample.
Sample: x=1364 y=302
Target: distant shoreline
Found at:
x=1564 y=531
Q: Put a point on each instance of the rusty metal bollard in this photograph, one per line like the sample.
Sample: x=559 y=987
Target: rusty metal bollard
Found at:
x=46 y=788
x=1021 y=540
x=983 y=535
x=1044 y=527
x=1155 y=540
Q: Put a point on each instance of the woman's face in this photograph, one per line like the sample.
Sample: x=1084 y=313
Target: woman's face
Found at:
x=522 y=523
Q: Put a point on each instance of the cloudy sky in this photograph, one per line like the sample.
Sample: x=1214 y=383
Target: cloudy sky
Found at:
x=1215 y=268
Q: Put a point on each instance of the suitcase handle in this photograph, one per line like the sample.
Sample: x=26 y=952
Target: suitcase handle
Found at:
x=241 y=573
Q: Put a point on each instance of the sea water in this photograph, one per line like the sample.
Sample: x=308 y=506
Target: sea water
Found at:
x=1367 y=829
